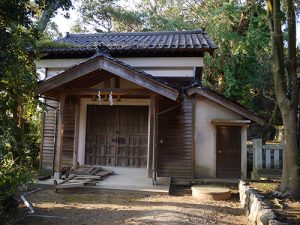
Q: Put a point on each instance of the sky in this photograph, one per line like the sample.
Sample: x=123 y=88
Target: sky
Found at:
x=64 y=25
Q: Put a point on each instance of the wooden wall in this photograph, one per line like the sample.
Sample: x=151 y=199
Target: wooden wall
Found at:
x=49 y=130
x=175 y=139
x=69 y=131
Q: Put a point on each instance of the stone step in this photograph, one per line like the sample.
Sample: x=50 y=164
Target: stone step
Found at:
x=210 y=192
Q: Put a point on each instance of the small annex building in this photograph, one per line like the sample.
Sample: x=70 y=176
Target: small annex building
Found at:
x=136 y=100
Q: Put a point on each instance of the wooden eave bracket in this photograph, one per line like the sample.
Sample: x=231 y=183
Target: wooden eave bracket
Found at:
x=112 y=66
x=227 y=103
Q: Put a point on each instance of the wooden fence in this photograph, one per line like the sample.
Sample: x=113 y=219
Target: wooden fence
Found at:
x=267 y=159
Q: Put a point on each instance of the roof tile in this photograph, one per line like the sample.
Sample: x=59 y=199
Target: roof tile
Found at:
x=196 y=39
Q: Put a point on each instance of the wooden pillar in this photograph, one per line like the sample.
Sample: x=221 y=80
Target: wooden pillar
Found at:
x=60 y=133
x=152 y=156
x=155 y=138
x=76 y=132
x=193 y=135
x=42 y=142
x=151 y=135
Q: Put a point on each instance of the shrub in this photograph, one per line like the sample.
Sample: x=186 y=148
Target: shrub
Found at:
x=12 y=177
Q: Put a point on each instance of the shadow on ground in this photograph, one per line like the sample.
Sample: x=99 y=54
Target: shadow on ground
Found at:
x=102 y=207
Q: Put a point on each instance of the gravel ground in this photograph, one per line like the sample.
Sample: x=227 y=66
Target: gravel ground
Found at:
x=103 y=207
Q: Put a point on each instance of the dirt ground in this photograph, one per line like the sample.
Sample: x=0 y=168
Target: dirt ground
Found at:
x=117 y=207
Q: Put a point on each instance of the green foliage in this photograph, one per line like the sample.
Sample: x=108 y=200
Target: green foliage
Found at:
x=19 y=111
x=241 y=33
x=48 y=4
x=148 y=16
x=166 y=15
x=19 y=140
x=51 y=31
x=108 y=15
x=12 y=176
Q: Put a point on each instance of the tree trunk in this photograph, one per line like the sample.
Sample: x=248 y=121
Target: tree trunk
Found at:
x=49 y=12
x=270 y=124
x=286 y=90
x=290 y=172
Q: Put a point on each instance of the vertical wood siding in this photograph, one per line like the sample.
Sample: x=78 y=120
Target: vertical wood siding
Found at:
x=49 y=129
x=175 y=139
x=69 y=131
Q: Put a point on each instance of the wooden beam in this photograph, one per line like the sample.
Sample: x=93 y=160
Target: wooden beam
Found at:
x=60 y=132
x=107 y=83
x=151 y=136
x=76 y=132
x=193 y=136
x=117 y=82
x=117 y=91
x=155 y=141
x=42 y=141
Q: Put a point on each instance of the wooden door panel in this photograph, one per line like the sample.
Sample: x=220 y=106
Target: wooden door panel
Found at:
x=228 y=150
x=117 y=136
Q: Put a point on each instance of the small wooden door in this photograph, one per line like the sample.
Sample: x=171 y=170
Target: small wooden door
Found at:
x=228 y=150
x=117 y=136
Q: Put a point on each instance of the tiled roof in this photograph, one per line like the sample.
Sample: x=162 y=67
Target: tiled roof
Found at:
x=197 y=40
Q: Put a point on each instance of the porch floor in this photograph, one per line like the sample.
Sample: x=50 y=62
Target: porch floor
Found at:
x=128 y=179
x=133 y=179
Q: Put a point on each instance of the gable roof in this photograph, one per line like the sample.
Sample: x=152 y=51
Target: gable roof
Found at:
x=104 y=62
x=222 y=100
x=163 y=41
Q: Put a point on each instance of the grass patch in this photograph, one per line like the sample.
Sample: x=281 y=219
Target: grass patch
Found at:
x=44 y=44
x=265 y=187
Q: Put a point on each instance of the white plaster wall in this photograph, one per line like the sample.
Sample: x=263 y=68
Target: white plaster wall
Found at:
x=156 y=66
x=205 y=136
x=53 y=72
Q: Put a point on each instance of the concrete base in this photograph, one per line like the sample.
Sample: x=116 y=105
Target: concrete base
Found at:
x=128 y=179
x=210 y=192
x=133 y=179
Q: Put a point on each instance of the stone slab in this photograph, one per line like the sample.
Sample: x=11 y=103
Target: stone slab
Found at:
x=210 y=192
